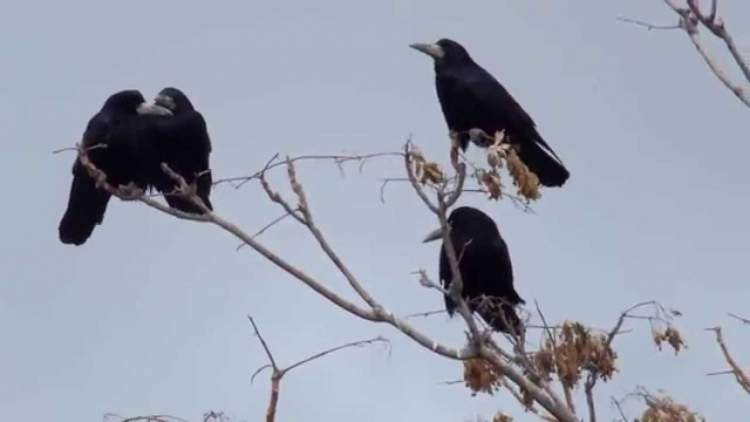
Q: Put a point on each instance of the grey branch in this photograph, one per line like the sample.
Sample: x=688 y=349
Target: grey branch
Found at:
x=691 y=19
x=742 y=378
x=740 y=319
x=339 y=159
x=480 y=346
x=616 y=330
x=278 y=373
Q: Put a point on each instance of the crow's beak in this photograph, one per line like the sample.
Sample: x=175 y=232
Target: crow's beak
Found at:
x=432 y=50
x=165 y=101
x=153 y=109
x=434 y=235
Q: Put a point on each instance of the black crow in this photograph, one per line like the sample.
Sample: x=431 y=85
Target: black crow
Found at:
x=471 y=98
x=115 y=147
x=184 y=145
x=485 y=268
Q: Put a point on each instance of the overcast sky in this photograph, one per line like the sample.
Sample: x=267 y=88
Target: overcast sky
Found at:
x=149 y=316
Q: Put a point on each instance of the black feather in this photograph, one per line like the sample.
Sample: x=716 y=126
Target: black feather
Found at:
x=486 y=270
x=471 y=97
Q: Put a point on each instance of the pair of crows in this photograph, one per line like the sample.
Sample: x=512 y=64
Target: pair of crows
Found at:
x=128 y=139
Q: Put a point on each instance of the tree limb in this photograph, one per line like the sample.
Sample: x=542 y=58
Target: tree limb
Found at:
x=742 y=378
x=689 y=19
x=278 y=373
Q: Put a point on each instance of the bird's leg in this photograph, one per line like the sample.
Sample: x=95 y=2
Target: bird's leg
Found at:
x=455 y=145
x=454 y=156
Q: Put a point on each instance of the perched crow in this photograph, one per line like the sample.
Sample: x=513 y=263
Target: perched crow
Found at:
x=471 y=98
x=485 y=268
x=115 y=147
x=184 y=145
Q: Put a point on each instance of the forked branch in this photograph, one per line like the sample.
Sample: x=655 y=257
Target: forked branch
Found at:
x=691 y=19
x=278 y=373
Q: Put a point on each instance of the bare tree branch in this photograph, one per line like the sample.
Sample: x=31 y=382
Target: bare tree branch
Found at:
x=718 y=28
x=479 y=346
x=593 y=374
x=359 y=343
x=690 y=18
x=425 y=314
x=324 y=245
x=339 y=159
x=263 y=343
x=647 y=25
x=263 y=229
x=742 y=378
x=149 y=418
x=278 y=373
x=618 y=406
x=740 y=319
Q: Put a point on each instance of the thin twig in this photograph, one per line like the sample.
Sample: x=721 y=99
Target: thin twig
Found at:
x=359 y=343
x=339 y=159
x=647 y=25
x=618 y=406
x=739 y=318
x=424 y=314
x=266 y=227
x=593 y=372
x=263 y=343
x=278 y=373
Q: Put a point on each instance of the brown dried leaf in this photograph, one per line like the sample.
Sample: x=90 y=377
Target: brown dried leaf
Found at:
x=675 y=339
x=526 y=181
x=495 y=157
x=425 y=171
x=431 y=173
x=575 y=350
x=672 y=336
x=665 y=409
x=544 y=360
x=502 y=417
x=481 y=376
x=491 y=181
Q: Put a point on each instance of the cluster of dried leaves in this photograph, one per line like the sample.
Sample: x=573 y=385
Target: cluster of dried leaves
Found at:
x=671 y=336
x=481 y=376
x=665 y=409
x=425 y=171
x=499 y=417
x=502 y=151
x=502 y=417
x=573 y=349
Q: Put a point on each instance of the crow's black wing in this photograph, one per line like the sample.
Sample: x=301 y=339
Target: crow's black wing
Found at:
x=184 y=144
x=472 y=98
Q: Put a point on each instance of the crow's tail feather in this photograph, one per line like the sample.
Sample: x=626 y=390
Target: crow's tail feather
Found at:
x=86 y=207
x=544 y=163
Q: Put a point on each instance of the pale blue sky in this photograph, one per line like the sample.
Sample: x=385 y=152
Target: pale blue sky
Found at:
x=149 y=315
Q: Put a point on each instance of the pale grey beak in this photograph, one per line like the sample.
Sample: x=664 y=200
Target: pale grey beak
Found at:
x=153 y=109
x=432 y=50
x=165 y=101
x=434 y=235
